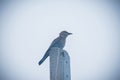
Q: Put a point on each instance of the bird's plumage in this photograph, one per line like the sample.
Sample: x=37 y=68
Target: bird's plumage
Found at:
x=58 y=42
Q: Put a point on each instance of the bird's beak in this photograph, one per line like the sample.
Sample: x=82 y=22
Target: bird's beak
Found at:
x=70 y=33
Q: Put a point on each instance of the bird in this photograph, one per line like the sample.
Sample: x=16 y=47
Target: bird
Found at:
x=59 y=42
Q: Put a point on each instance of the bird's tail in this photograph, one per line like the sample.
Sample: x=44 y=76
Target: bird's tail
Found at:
x=44 y=57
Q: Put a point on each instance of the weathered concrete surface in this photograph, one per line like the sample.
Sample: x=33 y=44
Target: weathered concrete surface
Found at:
x=59 y=64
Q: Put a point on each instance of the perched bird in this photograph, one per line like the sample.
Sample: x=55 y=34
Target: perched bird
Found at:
x=58 y=42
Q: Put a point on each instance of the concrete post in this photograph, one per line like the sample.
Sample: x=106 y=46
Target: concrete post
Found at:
x=59 y=64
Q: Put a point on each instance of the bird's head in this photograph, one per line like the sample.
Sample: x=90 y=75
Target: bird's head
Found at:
x=64 y=34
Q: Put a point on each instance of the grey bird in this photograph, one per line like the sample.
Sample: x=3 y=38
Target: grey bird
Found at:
x=58 y=42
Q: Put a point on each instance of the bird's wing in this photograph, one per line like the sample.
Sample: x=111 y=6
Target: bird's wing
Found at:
x=47 y=52
x=54 y=42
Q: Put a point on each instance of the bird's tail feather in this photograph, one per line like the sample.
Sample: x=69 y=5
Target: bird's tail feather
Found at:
x=44 y=57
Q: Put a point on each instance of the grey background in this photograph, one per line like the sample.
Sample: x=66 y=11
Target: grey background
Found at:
x=27 y=28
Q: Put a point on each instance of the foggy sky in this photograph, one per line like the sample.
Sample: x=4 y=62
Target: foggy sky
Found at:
x=28 y=28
